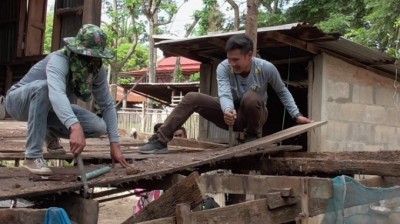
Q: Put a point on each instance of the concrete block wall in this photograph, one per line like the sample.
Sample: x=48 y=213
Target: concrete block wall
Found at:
x=359 y=106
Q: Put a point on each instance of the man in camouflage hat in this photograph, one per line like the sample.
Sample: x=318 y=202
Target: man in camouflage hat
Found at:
x=43 y=98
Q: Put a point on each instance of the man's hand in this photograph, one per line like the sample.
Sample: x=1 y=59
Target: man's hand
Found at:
x=230 y=117
x=303 y=120
x=77 y=139
x=116 y=155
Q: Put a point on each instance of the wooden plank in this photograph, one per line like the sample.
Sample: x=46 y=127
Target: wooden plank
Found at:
x=194 y=144
x=309 y=47
x=314 y=166
x=263 y=185
x=22 y=216
x=248 y=212
x=392 y=156
x=187 y=191
x=275 y=200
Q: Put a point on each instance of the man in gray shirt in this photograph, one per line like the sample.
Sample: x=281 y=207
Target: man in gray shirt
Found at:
x=43 y=98
x=242 y=90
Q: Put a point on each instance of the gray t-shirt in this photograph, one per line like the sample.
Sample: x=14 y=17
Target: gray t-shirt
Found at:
x=233 y=86
x=55 y=68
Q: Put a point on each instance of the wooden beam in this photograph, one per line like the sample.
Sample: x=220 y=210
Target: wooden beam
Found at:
x=256 y=211
x=292 y=60
x=368 y=163
x=91 y=12
x=217 y=42
x=180 y=52
x=22 y=215
x=309 y=47
x=263 y=185
x=187 y=191
x=389 y=156
x=69 y=11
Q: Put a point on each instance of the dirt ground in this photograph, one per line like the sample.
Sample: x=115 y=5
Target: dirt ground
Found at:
x=116 y=211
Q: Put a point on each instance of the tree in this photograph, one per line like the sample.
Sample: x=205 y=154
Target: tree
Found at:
x=251 y=22
x=123 y=34
x=210 y=17
x=158 y=13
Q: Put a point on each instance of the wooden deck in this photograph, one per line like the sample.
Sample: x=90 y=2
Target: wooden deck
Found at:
x=16 y=183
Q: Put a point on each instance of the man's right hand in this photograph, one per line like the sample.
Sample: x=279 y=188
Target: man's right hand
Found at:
x=77 y=139
x=230 y=117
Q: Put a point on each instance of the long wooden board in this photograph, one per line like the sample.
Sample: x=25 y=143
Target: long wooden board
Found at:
x=262 y=185
x=340 y=163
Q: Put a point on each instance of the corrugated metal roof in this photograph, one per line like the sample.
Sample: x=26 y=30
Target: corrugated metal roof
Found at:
x=275 y=43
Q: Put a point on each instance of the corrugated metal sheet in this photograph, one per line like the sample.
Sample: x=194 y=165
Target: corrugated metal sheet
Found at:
x=211 y=47
x=361 y=54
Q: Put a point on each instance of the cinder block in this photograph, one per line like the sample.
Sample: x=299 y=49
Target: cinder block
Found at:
x=338 y=131
x=374 y=114
x=361 y=132
x=352 y=112
x=386 y=96
x=362 y=94
x=338 y=90
x=385 y=135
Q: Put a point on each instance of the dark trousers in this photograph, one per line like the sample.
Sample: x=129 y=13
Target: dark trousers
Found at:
x=251 y=114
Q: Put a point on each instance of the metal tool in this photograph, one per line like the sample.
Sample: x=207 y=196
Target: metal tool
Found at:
x=83 y=176
x=94 y=173
x=231 y=137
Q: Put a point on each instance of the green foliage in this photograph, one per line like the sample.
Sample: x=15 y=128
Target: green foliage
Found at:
x=48 y=33
x=211 y=18
x=125 y=80
x=179 y=76
x=139 y=58
x=194 y=77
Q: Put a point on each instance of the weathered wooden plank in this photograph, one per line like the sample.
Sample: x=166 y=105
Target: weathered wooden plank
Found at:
x=392 y=156
x=263 y=185
x=194 y=144
x=275 y=200
x=248 y=212
x=22 y=216
x=334 y=166
x=187 y=191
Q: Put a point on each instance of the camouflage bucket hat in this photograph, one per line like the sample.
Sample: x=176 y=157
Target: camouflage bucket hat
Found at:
x=90 y=41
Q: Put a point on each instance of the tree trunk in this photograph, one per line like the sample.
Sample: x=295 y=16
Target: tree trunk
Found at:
x=251 y=22
x=236 y=20
x=176 y=69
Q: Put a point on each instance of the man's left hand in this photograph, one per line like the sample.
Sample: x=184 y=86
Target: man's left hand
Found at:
x=116 y=155
x=303 y=120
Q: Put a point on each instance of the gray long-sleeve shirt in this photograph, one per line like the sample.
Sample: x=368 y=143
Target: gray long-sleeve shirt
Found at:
x=233 y=86
x=55 y=69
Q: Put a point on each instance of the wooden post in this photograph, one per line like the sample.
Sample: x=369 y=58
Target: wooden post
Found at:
x=91 y=12
x=183 y=214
